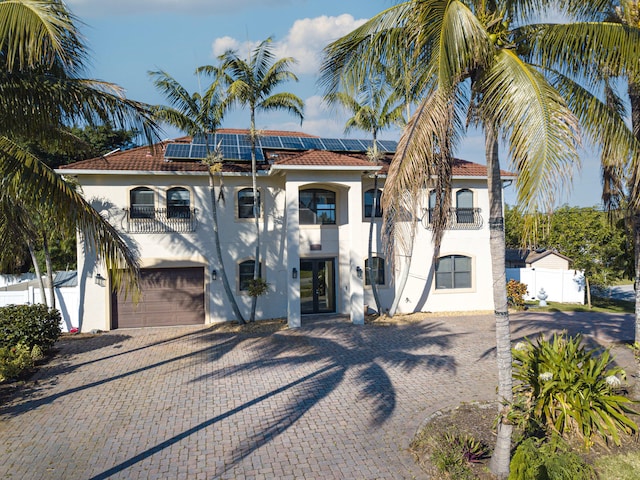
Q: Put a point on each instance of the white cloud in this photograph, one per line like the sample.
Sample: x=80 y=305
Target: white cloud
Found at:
x=222 y=44
x=98 y=8
x=304 y=41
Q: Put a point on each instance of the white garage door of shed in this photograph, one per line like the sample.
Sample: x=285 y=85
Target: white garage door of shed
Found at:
x=170 y=296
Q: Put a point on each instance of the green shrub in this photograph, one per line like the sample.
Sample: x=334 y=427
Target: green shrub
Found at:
x=537 y=459
x=452 y=453
x=29 y=325
x=14 y=360
x=515 y=294
x=258 y=287
x=561 y=387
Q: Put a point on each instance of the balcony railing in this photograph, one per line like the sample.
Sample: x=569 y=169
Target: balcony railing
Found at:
x=458 y=219
x=159 y=220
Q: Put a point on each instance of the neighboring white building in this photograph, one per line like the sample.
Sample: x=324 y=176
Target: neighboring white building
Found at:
x=315 y=199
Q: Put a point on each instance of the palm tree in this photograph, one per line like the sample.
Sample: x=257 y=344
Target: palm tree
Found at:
x=486 y=63
x=251 y=84
x=43 y=59
x=621 y=185
x=374 y=107
x=199 y=114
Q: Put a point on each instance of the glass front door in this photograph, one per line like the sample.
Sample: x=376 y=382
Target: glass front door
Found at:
x=317 y=285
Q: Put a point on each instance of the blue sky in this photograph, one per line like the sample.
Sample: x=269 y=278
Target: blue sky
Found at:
x=127 y=38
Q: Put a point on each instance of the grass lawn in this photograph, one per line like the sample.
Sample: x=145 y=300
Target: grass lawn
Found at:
x=602 y=305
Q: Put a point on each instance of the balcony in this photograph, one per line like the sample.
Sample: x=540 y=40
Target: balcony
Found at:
x=159 y=220
x=458 y=219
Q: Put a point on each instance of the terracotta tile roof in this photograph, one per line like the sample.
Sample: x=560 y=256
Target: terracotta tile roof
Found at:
x=267 y=133
x=152 y=160
x=323 y=158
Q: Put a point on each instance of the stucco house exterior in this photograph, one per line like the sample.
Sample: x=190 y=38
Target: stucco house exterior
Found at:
x=315 y=200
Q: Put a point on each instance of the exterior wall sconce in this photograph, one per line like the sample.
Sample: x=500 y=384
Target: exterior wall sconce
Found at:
x=214 y=275
x=294 y=273
x=359 y=272
x=100 y=280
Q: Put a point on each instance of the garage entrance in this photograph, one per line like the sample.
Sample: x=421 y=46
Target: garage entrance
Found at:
x=170 y=296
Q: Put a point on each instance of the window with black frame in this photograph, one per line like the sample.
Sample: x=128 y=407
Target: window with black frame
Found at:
x=377 y=264
x=142 y=203
x=453 y=271
x=178 y=203
x=317 y=207
x=464 y=206
x=245 y=274
x=368 y=203
x=245 y=203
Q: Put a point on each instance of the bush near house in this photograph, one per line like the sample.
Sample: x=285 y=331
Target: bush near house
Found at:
x=26 y=332
x=515 y=294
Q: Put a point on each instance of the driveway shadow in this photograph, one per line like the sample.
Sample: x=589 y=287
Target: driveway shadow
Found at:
x=317 y=358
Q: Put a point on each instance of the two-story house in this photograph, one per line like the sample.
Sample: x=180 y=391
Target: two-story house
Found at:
x=315 y=202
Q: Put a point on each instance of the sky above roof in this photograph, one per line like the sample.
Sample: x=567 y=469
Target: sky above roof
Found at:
x=129 y=38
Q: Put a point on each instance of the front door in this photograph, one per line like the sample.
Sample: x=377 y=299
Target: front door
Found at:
x=317 y=285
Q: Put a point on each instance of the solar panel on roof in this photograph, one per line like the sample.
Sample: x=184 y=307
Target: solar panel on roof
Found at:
x=270 y=142
x=227 y=139
x=333 y=144
x=198 y=151
x=229 y=152
x=312 y=143
x=245 y=154
x=388 y=145
x=353 y=145
x=291 y=142
x=177 y=150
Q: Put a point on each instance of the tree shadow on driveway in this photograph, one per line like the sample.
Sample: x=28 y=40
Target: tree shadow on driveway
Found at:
x=313 y=362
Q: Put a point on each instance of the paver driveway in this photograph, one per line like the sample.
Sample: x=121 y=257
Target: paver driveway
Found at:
x=329 y=400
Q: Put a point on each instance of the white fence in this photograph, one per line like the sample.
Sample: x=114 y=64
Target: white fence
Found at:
x=564 y=286
x=67 y=301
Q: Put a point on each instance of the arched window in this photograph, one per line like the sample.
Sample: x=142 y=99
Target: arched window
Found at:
x=178 y=203
x=453 y=271
x=368 y=202
x=464 y=206
x=142 y=203
x=377 y=270
x=317 y=207
x=245 y=274
x=245 y=203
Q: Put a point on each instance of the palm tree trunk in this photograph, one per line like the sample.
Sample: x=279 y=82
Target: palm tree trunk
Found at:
x=216 y=239
x=634 y=98
x=47 y=260
x=501 y=455
x=372 y=279
x=256 y=215
x=36 y=267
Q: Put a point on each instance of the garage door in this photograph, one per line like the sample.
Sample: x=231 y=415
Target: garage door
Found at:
x=170 y=296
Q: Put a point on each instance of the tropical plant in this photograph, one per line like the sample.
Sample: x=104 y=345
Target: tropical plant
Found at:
x=566 y=389
x=199 y=114
x=251 y=83
x=488 y=63
x=374 y=107
x=515 y=294
x=542 y=459
x=43 y=59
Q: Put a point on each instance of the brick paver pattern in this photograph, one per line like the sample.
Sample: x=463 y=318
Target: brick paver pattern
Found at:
x=329 y=400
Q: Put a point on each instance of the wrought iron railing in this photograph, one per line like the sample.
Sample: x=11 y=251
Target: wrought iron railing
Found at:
x=159 y=220
x=457 y=219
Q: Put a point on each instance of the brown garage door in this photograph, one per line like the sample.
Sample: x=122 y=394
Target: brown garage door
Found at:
x=170 y=296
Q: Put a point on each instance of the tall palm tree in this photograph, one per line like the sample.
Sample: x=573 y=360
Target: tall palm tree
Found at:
x=622 y=185
x=199 y=114
x=43 y=58
x=485 y=62
x=252 y=82
x=374 y=107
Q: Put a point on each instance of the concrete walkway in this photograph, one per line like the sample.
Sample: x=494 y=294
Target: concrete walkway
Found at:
x=330 y=400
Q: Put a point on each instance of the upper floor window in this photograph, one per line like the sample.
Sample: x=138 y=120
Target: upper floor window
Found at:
x=369 y=196
x=178 y=203
x=246 y=202
x=142 y=202
x=377 y=265
x=245 y=274
x=453 y=271
x=464 y=206
x=317 y=207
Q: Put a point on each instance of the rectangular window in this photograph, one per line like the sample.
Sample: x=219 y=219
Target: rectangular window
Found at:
x=317 y=207
x=245 y=203
x=245 y=274
x=377 y=270
x=453 y=271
